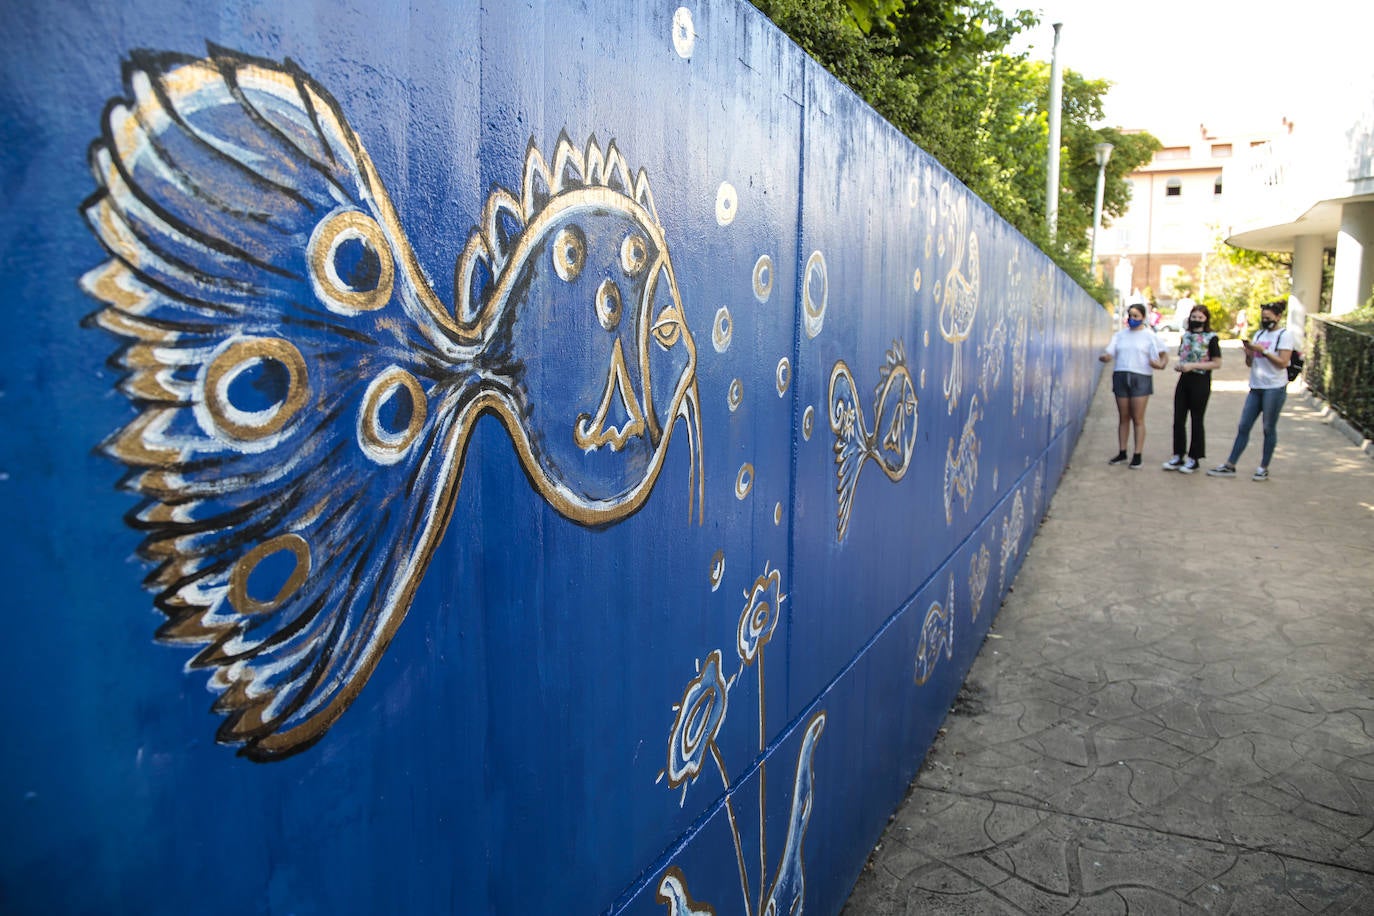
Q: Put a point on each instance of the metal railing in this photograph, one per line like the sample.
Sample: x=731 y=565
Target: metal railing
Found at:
x=1340 y=369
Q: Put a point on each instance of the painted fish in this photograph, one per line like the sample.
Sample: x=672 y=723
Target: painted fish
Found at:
x=305 y=400
x=893 y=438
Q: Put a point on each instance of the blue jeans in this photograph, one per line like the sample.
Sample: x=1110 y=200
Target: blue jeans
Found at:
x=1266 y=401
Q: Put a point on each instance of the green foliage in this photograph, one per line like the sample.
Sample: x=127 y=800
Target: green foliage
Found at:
x=1340 y=365
x=937 y=69
x=1242 y=281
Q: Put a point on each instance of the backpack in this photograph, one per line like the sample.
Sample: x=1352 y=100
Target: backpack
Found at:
x=1295 y=361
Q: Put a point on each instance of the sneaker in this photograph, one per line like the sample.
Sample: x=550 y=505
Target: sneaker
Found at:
x=1119 y=459
x=1222 y=470
x=1173 y=464
x=1261 y=474
x=1188 y=466
x=1135 y=462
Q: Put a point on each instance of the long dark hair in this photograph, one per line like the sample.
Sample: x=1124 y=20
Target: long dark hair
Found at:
x=1206 y=317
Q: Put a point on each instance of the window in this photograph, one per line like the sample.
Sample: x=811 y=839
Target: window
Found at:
x=1221 y=150
x=1173 y=187
x=1173 y=152
x=1216 y=187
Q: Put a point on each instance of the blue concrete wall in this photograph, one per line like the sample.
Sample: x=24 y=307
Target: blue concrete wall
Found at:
x=548 y=458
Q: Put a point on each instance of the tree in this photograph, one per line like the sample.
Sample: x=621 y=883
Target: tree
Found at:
x=937 y=69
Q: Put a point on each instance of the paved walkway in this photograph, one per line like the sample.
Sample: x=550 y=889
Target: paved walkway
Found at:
x=1174 y=711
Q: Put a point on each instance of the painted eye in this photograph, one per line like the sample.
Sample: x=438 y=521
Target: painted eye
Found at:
x=608 y=304
x=569 y=253
x=633 y=254
x=668 y=328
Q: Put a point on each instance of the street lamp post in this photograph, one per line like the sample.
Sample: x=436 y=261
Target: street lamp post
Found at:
x=1103 y=152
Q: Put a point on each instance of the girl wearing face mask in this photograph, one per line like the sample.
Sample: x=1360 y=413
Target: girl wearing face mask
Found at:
x=1267 y=356
x=1199 y=353
x=1136 y=350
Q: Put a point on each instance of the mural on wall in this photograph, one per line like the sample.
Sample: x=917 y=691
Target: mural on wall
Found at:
x=305 y=400
x=958 y=295
x=1012 y=528
x=961 y=465
x=893 y=438
x=937 y=635
x=979 y=567
x=698 y=718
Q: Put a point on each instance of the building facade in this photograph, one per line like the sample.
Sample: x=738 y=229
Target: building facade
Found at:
x=1179 y=206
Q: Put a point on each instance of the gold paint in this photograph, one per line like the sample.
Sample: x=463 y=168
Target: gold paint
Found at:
x=569 y=253
x=237 y=356
x=717 y=569
x=339 y=227
x=784 y=375
x=763 y=278
x=808 y=422
x=736 y=395
x=591 y=433
x=916 y=280
x=667 y=328
x=245 y=603
x=813 y=306
x=722 y=330
x=744 y=480
x=633 y=254
x=382 y=445
x=131 y=444
x=777 y=513
x=608 y=304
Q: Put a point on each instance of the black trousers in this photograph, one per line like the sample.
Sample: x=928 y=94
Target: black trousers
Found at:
x=1190 y=397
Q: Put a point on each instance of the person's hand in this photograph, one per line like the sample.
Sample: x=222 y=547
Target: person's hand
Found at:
x=1178 y=367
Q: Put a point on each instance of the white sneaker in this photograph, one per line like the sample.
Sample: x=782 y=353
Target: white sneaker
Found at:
x=1173 y=464
x=1188 y=466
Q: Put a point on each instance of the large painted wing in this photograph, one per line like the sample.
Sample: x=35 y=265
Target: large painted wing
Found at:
x=299 y=392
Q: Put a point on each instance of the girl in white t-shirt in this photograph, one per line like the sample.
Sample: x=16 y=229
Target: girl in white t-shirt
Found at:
x=1137 y=351
x=1267 y=356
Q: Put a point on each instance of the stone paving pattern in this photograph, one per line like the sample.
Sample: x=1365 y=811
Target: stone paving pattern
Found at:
x=1174 y=711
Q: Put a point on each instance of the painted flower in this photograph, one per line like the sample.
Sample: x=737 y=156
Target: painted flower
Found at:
x=699 y=717
x=760 y=618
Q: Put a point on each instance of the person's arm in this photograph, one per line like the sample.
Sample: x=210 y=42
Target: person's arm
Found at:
x=1213 y=360
x=1161 y=358
x=1108 y=354
x=1281 y=359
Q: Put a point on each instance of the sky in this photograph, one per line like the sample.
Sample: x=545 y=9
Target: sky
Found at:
x=1234 y=65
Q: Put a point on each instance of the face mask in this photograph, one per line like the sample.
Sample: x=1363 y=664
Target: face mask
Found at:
x=1195 y=325
x=1268 y=323
x=1134 y=322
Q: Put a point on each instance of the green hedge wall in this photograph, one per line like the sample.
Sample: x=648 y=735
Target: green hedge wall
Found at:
x=1340 y=368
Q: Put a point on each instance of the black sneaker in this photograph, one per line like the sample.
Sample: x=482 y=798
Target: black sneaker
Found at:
x=1188 y=466
x=1135 y=462
x=1261 y=474
x=1119 y=459
x=1222 y=470
x=1173 y=464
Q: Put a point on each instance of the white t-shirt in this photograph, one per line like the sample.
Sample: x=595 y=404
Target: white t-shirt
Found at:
x=1263 y=373
x=1132 y=350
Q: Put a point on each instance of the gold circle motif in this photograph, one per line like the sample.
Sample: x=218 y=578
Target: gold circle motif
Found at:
x=608 y=304
x=808 y=422
x=569 y=253
x=380 y=444
x=245 y=603
x=777 y=513
x=634 y=254
x=717 y=569
x=744 y=480
x=784 y=374
x=340 y=227
x=916 y=280
x=736 y=394
x=814 y=301
x=235 y=358
x=763 y=278
x=929 y=243
x=722 y=330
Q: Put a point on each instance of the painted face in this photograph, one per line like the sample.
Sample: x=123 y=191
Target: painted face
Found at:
x=606 y=383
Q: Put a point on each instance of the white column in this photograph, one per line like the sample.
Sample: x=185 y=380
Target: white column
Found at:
x=1305 y=295
x=1354 y=259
